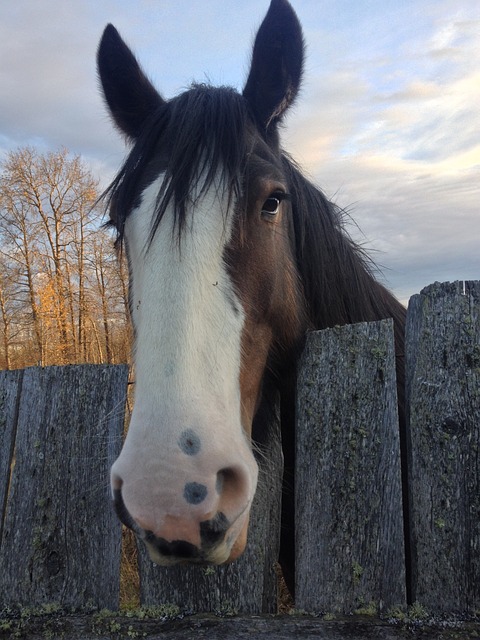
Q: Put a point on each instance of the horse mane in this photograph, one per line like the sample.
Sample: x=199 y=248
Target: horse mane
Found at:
x=336 y=273
x=197 y=138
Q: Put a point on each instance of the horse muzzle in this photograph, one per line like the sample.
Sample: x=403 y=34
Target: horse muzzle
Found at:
x=211 y=541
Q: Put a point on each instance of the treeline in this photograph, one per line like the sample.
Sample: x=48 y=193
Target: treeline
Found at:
x=63 y=290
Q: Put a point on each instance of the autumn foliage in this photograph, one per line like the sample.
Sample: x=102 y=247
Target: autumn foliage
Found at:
x=63 y=289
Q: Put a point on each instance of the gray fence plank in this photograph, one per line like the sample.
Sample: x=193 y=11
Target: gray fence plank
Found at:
x=246 y=627
x=61 y=541
x=10 y=385
x=443 y=392
x=248 y=585
x=349 y=537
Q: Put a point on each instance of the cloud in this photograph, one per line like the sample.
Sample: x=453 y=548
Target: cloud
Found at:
x=387 y=122
x=49 y=86
x=420 y=224
x=427 y=121
x=397 y=144
x=50 y=95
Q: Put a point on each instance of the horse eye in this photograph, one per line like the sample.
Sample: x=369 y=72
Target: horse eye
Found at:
x=270 y=206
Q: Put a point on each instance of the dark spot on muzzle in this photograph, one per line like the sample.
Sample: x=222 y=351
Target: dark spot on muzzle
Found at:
x=189 y=442
x=195 y=493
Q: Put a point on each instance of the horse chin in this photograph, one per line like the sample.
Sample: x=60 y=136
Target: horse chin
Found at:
x=223 y=553
x=220 y=555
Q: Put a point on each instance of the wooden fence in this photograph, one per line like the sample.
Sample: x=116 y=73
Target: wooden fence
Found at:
x=361 y=543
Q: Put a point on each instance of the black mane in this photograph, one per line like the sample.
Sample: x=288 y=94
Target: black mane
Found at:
x=336 y=273
x=194 y=138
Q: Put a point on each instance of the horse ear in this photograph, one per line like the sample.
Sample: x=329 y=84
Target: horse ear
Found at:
x=277 y=62
x=129 y=94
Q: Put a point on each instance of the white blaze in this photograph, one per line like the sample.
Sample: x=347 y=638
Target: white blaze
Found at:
x=187 y=356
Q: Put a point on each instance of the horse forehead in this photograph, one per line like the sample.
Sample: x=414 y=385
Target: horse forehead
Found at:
x=211 y=213
x=209 y=216
x=263 y=165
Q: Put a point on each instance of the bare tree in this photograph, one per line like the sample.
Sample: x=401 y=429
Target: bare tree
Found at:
x=65 y=270
x=111 y=286
x=7 y=294
x=18 y=236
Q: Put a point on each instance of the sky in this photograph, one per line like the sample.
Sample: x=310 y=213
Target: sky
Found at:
x=387 y=122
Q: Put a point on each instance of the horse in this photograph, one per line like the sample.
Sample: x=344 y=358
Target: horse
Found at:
x=233 y=255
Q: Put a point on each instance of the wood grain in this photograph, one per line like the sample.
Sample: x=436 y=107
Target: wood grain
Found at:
x=349 y=540
x=10 y=387
x=443 y=418
x=61 y=539
x=110 y=626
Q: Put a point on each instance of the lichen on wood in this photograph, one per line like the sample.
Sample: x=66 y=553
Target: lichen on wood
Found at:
x=349 y=536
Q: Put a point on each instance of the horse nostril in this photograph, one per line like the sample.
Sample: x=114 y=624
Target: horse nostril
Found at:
x=231 y=482
x=122 y=511
x=219 y=482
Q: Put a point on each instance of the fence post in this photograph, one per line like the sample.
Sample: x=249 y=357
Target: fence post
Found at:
x=10 y=385
x=443 y=427
x=60 y=538
x=349 y=536
x=248 y=585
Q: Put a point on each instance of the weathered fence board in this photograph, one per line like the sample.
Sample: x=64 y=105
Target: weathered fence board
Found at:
x=349 y=537
x=443 y=418
x=61 y=540
x=10 y=385
x=248 y=585
x=105 y=626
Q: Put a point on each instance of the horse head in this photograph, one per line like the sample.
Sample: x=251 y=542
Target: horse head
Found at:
x=203 y=207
